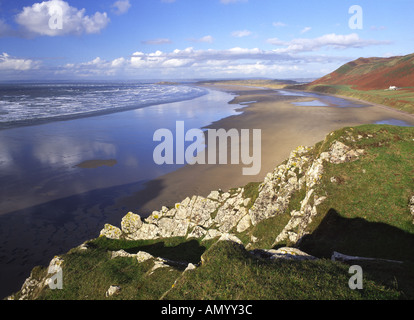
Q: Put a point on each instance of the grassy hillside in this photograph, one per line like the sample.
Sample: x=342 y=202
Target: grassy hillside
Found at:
x=366 y=212
x=369 y=78
x=373 y=73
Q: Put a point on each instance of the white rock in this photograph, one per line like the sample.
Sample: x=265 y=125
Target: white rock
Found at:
x=113 y=290
x=230 y=237
x=201 y=211
x=229 y=214
x=211 y=234
x=290 y=253
x=214 y=195
x=317 y=201
x=143 y=256
x=158 y=263
x=111 y=232
x=121 y=253
x=190 y=266
x=131 y=222
x=147 y=231
x=197 y=232
x=225 y=196
x=170 y=227
x=83 y=246
x=244 y=223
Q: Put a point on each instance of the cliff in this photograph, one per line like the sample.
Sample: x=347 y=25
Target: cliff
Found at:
x=290 y=236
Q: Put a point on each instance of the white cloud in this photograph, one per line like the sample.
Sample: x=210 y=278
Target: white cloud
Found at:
x=9 y=63
x=42 y=19
x=287 y=60
x=157 y=41
x=376 y=28
x=119 y=62
x=121 y=6
x=326 y=41
x=276 y=41
x=306 y=29
x=199 y=63
x=206 y=39
x=279 y=24
x=241 y=33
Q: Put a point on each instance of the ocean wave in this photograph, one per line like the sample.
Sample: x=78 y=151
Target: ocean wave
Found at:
x=27 y=103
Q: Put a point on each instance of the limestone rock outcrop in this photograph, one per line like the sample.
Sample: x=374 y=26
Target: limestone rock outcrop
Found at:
x=225 y=213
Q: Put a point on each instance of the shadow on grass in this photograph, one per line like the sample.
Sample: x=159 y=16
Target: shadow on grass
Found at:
x=189 y=251
x=358 y=237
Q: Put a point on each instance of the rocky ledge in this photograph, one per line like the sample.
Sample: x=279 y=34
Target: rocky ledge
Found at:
x=221 y=214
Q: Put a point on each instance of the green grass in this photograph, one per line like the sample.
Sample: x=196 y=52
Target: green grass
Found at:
x=230 y=273
x=251 y=190
x=402 y=99
x=344 y=69
x=87 y=275
x=366 y=212
x=176 y=249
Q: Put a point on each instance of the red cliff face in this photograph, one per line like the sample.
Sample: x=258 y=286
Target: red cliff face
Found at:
x=373 y=73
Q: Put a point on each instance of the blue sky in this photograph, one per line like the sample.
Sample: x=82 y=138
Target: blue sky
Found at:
x=186 y=39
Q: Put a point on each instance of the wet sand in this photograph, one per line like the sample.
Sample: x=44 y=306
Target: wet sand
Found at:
x=284 y=127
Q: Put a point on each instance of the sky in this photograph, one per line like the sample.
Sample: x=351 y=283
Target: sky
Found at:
x=196 y=39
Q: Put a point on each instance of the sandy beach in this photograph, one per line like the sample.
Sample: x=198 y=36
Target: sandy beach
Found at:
x=284 y=127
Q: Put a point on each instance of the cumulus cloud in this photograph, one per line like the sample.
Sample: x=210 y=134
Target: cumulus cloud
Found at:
x=331 y=40
x=9 y=63
x=241 y=33
x=57 y=17
x=121 y=7
x=198 y=63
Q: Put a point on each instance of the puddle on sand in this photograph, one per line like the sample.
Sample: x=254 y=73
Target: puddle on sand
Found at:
x=320 y=100
x=313 y=103
x=394 y=122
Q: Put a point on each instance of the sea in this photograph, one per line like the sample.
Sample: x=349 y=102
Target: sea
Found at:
x=27 y=103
